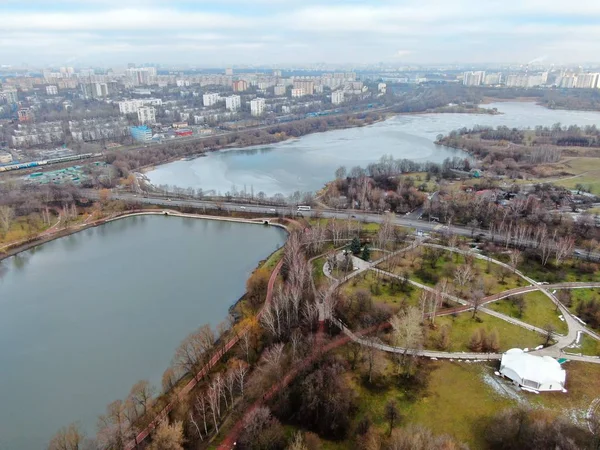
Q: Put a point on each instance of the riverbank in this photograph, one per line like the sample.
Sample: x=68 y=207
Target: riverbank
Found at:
x=36 y=241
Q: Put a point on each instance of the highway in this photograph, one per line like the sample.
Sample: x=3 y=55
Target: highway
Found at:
x=270 y=210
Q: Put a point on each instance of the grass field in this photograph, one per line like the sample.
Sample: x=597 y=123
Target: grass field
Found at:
x=567 y=271
x=463 y=326
x=539 y=311
x=382 y=290
x=587 y=171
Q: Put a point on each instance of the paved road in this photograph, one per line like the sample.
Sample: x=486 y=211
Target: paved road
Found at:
x=273 y=210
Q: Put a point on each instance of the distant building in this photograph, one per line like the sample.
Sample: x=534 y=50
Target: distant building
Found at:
x=25 y=115
x=473 y=78
x=141 y=133
x=131 y=106
x=337 y=97
x=279 y=90
x=492 y=79
x=257 y=107
x=277 y=73
x=5 y=158
x=307 y=85
x=587 y=81
x=298 y=92
x=233 y=102
x=10 y=96
x=240 y=86
x=146 y=114
x=210 y=99
x=567 y=82
x=51 y=90
x=229 y=71
x=382 y=88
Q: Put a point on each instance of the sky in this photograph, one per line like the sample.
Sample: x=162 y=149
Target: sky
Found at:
x=286 y=32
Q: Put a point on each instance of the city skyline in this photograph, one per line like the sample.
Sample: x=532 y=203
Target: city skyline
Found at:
x=230 y=32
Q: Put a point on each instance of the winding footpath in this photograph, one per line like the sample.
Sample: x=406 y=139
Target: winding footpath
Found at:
x=556 y=350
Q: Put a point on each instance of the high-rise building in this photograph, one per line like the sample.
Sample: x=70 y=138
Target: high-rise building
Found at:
x=146 y=114
x=210 y=99
x=473 y=78
x=233 y=102
x=51 y=90
x=587 y=80
x=24 y=115
x=279 y=89
x=277 y=73
x=10 y=96
x=240 y=85
x=229 y=71
x=257 y=107
x=337 y=97
x=298 y=92
x=100 y=90
x=492 y=79
x=307 y=85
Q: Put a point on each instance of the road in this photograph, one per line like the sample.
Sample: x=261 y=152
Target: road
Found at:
x=409 y=221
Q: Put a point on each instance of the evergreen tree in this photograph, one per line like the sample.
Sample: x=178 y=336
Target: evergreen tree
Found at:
x=355 y=246
x=366 y=253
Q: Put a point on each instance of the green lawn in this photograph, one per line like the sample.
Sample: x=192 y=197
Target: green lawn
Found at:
x=587 y=171
x=382 y=290
x=587 y=346
x=463 y=326
x=568 y=271
x=583 y=295
x=539 y=311
x=457 y=401
x=317 y=271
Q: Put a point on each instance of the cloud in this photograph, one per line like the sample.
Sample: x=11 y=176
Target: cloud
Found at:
x=278 y=31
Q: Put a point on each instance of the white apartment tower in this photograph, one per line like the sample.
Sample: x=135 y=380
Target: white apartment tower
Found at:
x=210 y=99
x=257 y=107
x=51 y=90
x=337 y=97
x=473 y=78
x=233 y=102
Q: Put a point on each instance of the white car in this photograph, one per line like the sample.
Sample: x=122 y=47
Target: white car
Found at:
x=272 y=209
x=242 y=207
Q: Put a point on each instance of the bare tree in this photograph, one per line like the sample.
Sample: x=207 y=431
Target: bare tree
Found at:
x=476 y=300
x=241 y=371
x=168 y=437
x=169 y=380
x=194 y=349
x=549 y=333
x=407 y=332
x=564 y=248
x=141 y=393
x=391 y=414
x=7 y=215
x=202 y=408
x=113 y=426
x=463 y=275
x=67 y=438
x=515 y=259
x=214 y=401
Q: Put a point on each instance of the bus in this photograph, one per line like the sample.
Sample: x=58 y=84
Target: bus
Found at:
x=303 y=208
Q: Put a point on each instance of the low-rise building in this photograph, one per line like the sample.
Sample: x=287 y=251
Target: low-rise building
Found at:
x=5 y=158
x=141 y=134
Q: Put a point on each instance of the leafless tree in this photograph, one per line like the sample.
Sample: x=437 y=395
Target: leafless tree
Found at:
x=113 y=427
x=241 y=371
x=407 y=332
x=564 y=248
x=202 y=408
x=463 y=275
x=476 y=300
x=515 y=259
x=141 y=393
x=214 y=401
x=7 y=215
x=230 y=382
x=67 y=438
x=194 y=349
x=549 y=333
